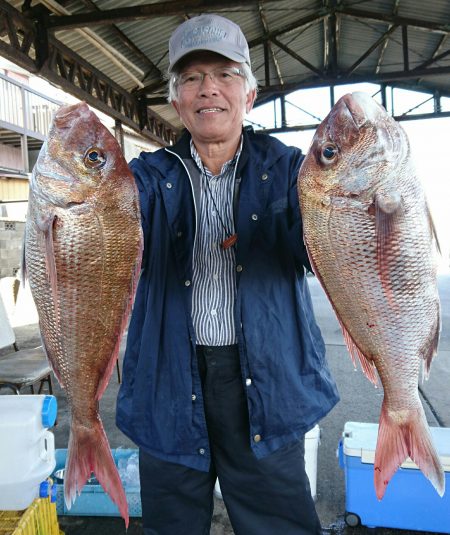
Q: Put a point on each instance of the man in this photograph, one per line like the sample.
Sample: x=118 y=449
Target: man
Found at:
x=224 y=370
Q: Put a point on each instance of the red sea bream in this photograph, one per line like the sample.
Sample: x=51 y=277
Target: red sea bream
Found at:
x=371 y=241
x=83 y=248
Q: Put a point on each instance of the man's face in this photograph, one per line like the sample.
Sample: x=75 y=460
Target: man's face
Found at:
x=213 y=113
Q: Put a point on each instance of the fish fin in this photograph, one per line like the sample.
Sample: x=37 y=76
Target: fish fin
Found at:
x=53 y=362
x=89 y=452
x=388 y=211
x=367 y=365
x=405 y=436
x=356 y=354
x=46 y=225
x=431 y=347
x=23 y=263
x=433 y=228
x=130 y=299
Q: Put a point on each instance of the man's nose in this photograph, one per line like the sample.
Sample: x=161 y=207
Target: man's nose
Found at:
x=208 y=83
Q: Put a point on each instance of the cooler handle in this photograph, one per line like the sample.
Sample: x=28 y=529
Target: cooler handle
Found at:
x=47 y=446
x=340 y=454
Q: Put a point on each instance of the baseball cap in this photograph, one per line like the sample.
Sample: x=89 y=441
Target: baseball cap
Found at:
x=208 y=32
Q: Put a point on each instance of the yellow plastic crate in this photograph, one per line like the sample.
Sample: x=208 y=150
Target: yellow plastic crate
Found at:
x=39 y=519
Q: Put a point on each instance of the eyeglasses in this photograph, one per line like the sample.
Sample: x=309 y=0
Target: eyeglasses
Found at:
x=222 y=76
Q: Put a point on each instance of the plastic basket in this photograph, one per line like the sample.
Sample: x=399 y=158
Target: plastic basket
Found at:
x=38 y=519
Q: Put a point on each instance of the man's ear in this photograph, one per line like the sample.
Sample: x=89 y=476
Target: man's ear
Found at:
x=176 y=106
x=251 y=97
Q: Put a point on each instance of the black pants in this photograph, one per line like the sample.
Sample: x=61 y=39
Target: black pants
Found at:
x=270 y=496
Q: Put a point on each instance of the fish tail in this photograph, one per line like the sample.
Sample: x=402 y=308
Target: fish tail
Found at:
x=402 y=436
x=89 y=452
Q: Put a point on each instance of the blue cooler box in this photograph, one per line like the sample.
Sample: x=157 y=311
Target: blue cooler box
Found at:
x=410 y=501
x=93 y=501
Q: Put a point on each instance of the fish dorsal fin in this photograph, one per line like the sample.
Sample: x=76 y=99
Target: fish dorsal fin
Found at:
x=368 y=367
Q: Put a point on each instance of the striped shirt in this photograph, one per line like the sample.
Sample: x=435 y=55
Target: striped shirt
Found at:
x=214 y=284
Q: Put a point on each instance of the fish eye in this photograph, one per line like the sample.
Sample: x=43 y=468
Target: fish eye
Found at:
x=94 y=158
x=328 y=153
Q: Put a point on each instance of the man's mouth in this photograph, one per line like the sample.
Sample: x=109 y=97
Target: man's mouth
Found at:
x=210 y=110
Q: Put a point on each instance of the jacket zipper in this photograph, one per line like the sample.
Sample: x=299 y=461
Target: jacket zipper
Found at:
x=193 y=195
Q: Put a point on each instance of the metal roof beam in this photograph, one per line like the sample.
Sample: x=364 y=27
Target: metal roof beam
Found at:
x=146 y=11
x=266 y=93
x=304 y=21
x=394 y=19
x=331 y=40
x=433 y=59
x=313 y=126
x=127 y=42
x=385 y=42
x=369 y=51
x=269 y=46
x=297 y=57
x=72 y=73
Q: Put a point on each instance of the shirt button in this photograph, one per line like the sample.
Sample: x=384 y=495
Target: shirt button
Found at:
x=213 y=312
x=265 y=176
x=202 y=451
x=187 y=283
x=248 y=381
x=194 y=397
x=179 y=234
x=239 y=268
x=255 y=217
x=169 y=185
x=257 y=438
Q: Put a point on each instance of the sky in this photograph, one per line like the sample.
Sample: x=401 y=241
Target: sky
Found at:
x=429 y=140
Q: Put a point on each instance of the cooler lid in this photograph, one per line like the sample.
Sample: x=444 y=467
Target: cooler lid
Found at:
x=360 y=440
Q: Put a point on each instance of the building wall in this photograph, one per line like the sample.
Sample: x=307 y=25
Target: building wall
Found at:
x=13 y=189
x=11 y=157
x=11 y=240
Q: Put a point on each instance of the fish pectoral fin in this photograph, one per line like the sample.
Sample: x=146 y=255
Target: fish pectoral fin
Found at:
x=388 y=213
x=46 y=224
x=367 y=365
x=388 y=210
x=23 y=263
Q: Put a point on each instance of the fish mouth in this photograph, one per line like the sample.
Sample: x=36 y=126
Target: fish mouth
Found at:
x=67 y=116
x=365 y=112
x=362 y=108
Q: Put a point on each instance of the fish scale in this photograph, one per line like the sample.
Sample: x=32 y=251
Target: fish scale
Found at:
x=370 y=238
x=83 y=247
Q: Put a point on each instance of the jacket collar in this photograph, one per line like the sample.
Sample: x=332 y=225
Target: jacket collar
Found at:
x=183 y=150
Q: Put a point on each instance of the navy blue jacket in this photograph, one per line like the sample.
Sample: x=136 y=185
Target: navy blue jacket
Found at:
x=160 y=405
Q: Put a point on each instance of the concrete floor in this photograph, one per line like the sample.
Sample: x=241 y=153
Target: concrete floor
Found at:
x=360 y=402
